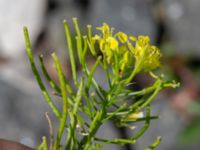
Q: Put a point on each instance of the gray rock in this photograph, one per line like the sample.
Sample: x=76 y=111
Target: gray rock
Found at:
x=22 y=106
x=132 y=17
x=182 y=19
x=14 y=16
x=168 y=127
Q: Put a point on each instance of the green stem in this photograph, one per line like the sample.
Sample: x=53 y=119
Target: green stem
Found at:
x=37 y=76
x=78 y=41
x=90 y=41
x=71 y=53
x=135 y=71
x=95 y=125
x=154 y=94
x=85 y=48
x=65 y=101
x=154 y=144
x=116 y=141
x=46 y=75
x=91 y=74
x=43 y=145
x=139 y=93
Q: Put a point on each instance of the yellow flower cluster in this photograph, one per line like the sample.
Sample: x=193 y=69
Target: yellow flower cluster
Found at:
x=107 y=43
x=129 y=50
x=147 y=56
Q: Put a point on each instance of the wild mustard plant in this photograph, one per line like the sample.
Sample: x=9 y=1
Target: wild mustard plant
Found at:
x=122 y=57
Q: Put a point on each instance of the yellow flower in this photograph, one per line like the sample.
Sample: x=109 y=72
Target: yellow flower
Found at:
x=147 y=56
x=112 y=43
x=151 y=58
x=133 y=38
x=102 y=45
x=109 y=44
x=133 y=116
x=109 y=55
x=96 y=37
x=143 y=41
x=136 y=115
x=138 y=50
x=125 y=60
x=105 y=29
x=122 y=37
x=106 y=42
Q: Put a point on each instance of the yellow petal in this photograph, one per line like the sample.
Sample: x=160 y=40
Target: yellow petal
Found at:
x=122 y=37
x=133 y=38
x=102 y=44
x=136 y=115
x=105 y=29
x=113 y=43
x=143 y=40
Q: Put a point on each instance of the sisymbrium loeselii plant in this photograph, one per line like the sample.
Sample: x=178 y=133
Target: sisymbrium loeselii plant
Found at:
x=121 y=57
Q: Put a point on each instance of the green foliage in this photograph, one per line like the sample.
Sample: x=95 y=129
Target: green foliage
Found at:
x=191 y=133
x=122 y=58
x=154 y=144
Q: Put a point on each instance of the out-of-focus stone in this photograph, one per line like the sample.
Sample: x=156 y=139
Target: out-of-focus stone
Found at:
x=132 y=17
x=14 y=15
x=168 y=126
x=182 y=20
x=22 y=107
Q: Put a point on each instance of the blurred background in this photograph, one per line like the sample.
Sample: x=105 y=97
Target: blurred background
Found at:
x=173 y=25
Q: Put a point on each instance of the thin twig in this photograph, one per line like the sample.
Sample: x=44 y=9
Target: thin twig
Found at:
x=50 y=130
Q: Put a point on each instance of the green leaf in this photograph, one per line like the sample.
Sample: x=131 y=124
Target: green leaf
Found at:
x=191 y=133
x=80 y=49
x=47 y=76
x=194 y=108
x=64 y=98
x=154 y=144
x=78 y=96
x=43 y=145
x=90 y=41
x=91 y=74
x=37 y=76
x=71 y=53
